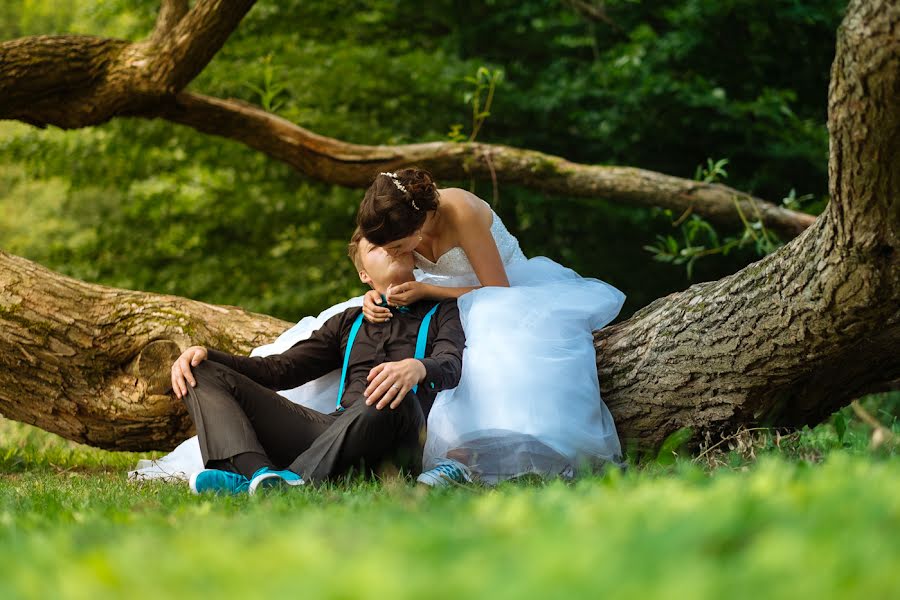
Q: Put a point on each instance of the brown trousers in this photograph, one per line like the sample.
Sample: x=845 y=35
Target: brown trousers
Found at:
x=233 y=414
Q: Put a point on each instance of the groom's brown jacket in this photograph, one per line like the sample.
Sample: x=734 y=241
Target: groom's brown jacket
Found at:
x=375 y=343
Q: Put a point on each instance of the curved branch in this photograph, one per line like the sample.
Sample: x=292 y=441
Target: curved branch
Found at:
x=76 y=81
x=79 y=81
x=784 y=342
x=182 y=54
x=355 y=165
x=811 y=326
x=170 y=14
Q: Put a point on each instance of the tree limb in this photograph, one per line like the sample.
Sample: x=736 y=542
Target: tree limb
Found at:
x=79 y=81
x=783 y=342
x=76 y=81
x=195 y=39
x=355 y=165
x=91 y=363
x=170 y=14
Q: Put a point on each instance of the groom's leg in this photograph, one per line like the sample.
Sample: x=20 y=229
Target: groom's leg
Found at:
x=236 y=417
x=363 y=436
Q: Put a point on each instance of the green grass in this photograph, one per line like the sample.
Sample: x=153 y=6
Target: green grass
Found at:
x=814 y=515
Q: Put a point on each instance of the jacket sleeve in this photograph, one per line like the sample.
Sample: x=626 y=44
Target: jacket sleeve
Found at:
x=306 y=360
x=443 y=367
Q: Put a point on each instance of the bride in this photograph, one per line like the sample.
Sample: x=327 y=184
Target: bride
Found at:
x=529 y=398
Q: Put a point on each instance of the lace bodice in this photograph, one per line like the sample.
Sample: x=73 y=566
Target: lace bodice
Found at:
x=454 y=262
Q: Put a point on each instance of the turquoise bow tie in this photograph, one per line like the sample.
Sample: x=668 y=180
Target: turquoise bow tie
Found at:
x=383 y=302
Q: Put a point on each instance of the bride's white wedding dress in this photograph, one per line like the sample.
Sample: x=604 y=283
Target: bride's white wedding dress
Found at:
x=529 y=398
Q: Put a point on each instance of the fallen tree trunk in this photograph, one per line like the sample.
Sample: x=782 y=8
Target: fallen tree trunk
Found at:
x=91 y=363
x=782 y=342
x=791 y=338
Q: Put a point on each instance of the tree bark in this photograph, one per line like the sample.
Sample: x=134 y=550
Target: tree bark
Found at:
x=783 y=342
x=91 y=363
x=76 y=81
x=802 y=332
x=80 y=81
x=356 y=165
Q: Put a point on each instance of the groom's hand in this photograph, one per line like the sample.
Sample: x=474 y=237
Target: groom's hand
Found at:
x=181 y=369
x=389 y=382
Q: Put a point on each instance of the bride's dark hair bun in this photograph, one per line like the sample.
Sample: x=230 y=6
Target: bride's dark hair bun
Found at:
x=395 y=205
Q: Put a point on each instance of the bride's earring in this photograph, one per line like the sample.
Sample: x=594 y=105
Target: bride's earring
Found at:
x=420 y=238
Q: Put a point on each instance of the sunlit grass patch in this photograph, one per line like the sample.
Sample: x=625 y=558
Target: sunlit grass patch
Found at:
x=789 y=528
x=808 y=515
x=26 y=448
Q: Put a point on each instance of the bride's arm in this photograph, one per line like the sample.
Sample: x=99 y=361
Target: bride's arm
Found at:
x=481 y=250
x=413 y=291
x=439 y=292
x=477 y=242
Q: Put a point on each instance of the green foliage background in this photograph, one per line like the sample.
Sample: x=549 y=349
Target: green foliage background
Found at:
x=149 y=205
x=153 y=206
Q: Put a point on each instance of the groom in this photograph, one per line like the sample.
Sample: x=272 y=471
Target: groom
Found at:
x=251 y=437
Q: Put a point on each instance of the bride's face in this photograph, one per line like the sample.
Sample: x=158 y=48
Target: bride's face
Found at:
x=402 y=246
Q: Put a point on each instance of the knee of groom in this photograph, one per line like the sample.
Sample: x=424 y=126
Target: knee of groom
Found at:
x=205 y=374
x=207 y=369
x=372 y=413
x=408 y=415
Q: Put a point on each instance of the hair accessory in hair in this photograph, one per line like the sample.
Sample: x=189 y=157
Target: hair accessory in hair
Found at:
x=393 y=177
x=396 y=181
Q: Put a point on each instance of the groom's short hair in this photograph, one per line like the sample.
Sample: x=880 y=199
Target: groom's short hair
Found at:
x=353 y=249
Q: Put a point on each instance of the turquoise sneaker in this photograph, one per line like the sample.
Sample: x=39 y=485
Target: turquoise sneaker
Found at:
x=220 y=482
x=447 y=472
x=266 y=478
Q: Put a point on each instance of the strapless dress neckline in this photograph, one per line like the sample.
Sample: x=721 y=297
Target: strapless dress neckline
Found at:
x=434 y=263
x=454 y=261
x=420 y=257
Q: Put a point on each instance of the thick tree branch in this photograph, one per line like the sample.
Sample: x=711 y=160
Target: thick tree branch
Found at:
x=91 y=363
x=192 y=43
x=864 y=165
x=810 y=327
x=355 y=165
x=170 y=14
x=79 y=81
x=782 y=342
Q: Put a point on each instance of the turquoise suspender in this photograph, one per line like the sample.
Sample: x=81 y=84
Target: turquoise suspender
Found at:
x=353 y=332
x=421 y=341
x=423 y=338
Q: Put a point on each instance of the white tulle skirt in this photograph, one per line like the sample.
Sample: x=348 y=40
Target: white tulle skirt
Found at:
x=529 y=398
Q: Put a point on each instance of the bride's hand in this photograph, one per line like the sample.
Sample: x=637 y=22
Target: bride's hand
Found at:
x=372 y=312
x=406 y=293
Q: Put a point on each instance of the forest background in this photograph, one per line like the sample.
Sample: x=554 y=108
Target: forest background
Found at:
x=731 y=91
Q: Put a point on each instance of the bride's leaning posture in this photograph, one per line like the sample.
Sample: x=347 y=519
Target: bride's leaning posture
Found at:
x=529 y=398
x=528 y=401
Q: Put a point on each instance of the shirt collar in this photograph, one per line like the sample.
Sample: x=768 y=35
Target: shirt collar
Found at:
x=403 y=309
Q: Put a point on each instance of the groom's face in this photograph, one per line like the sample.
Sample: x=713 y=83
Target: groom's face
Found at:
x=380 y=269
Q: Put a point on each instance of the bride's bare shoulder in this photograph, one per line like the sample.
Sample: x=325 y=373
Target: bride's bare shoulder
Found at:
x=462 y=206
